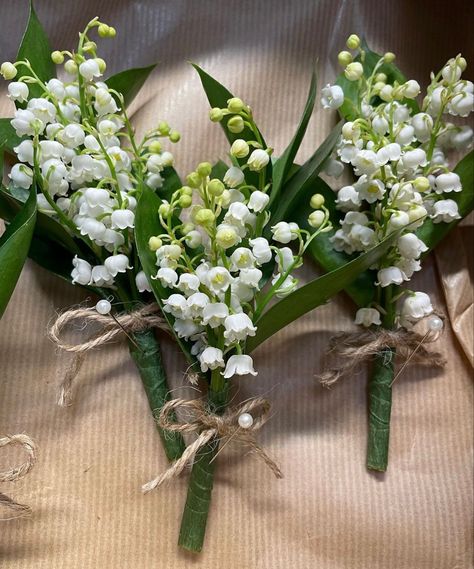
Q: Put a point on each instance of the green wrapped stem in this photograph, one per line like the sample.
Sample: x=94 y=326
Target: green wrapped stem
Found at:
x=198 y=499
x=147 y=357
x=380 y=406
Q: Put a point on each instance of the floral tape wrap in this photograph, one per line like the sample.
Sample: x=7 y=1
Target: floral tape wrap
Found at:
x=17 y=472
x=355 y=347
x=110 y=329
x=211 y=426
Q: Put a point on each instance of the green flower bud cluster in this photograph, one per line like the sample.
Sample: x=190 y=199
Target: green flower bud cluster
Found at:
x=319 y=219
x=237 y=111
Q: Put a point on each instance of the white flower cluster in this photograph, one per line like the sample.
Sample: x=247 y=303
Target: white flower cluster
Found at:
x=79 y=147
x=398 y=155
x=213 y=264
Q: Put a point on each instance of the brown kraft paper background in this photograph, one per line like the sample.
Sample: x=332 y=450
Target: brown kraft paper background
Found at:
x=328 y=512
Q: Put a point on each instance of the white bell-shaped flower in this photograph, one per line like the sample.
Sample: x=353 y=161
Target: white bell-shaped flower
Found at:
x=142 y=282
x=416 y=305
x=332 y=97
x=258 y=201
x=261 y=250
x=445 y=211
x=211 y=358
x=390 y=275
x=168 y=277
x=82 y=271
x=214 y=314
x=367 y=317
x=410 y=246
x=177 y=306
x=239 y=365
x=117 y=264
x=122 y=219
x=238 y=327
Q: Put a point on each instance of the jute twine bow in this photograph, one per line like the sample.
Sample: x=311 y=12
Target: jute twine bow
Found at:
x=355 y=347
x=110 y=329
x=223 y=428
x=17 y=472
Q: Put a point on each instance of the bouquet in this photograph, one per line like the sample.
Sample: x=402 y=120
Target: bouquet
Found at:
x=80 y=162
x=396 y=149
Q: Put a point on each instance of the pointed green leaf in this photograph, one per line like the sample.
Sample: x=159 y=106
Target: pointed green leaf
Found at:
x=304 y=175
x=314 y=294
x=8 y=137
x=146 y=225
x=36 y=49
x=45 y=227
x=282 y=165
x=218 y=95
x=219 y=170
x=171 y=183
x=14 y=245
x=130 y=81
x=432 y=233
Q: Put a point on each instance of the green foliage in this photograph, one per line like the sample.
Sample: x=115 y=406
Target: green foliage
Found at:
x=130 y=81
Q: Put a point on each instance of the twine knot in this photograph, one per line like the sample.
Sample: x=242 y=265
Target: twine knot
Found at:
x=356 y=347
x=110 y=328
x=212 y=427
x=17 y=472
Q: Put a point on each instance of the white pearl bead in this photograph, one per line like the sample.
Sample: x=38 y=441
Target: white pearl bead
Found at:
x=435 y=323
x=245 y=420
x=103 y=307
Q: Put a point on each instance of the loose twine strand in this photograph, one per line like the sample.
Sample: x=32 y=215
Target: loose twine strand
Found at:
x=17 y=472
x=356 y=347
x=110 y=328
x=220 y=428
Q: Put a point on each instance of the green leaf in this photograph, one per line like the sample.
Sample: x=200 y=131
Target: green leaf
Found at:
x=8 y=137
x=349 y=108
x=14 y=245
x=146 y=221
x=283 y=164
x=218 y=95
x=432 y=233
x=314 y=294
x=171 y=183
x=219 y=170
x=304 y=175
x=130 y=81
x=46 y=227
x=36 y=49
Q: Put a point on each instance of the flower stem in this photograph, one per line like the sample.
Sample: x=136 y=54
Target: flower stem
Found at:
x=380 y=395
x=147 y=357
x=196 y=509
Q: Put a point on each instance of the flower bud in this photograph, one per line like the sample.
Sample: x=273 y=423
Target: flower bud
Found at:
x=193 y=180
x=215 y=187
x=389 y=57
x=155 y=146
x=204 y=216
x=386 y=93
x=186 y=190
x=462 y=63
x=154 y=243
x=235 y=105
x=354 y=71
x=164 y=128
x=216 y=114
x=185 y=201
x=204 y=169
x=258 y=160
x=101 y=63
x=316 y=218
x=193 y=239
x=8 y=70
x=70 y=67
x=103 y=30
x=317 y=201
x=187 y=227
x=236 y=124
x=353 y=41
x=57 y=57
x=112 y=32
x=174 y=136
x=89 y=46
x=164 y=209
x=344 y=58
x=421 y=184
x=381 y=77
x=239 y=148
